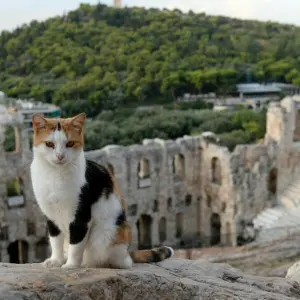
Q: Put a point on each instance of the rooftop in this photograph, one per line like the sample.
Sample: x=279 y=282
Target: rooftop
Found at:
x=274 y=87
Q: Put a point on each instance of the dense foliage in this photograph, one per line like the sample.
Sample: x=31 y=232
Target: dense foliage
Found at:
x=98 y=57
x=126 y=126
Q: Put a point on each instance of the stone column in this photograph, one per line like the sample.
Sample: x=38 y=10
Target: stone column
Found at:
x=31 y=252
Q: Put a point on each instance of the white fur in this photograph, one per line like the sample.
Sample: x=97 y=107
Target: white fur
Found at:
x=172 y=251
x=56 y=188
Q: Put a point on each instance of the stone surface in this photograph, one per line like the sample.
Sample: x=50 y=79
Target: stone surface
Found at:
x=172 y=279
x=264 y=259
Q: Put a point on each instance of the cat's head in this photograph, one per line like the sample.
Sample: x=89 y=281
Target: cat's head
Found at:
x=59 y=141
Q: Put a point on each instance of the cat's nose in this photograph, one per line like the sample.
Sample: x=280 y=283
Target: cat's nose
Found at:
x=60 y=156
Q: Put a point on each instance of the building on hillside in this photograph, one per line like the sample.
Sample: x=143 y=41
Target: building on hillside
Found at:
x=29 y=107
x=269 y=90
x=2 y=96
x=250 y=95
x=188 y=192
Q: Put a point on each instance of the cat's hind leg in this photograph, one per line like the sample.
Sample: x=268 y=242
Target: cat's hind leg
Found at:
x=119 y=257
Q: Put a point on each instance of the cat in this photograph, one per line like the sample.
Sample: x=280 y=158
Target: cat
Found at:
x=84 y=209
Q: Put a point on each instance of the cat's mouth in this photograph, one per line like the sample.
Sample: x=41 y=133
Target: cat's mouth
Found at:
x=60 y=162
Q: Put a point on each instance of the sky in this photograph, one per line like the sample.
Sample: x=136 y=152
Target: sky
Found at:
x=17 y=12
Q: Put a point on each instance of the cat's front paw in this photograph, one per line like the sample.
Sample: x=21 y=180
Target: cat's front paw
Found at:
x=53 y=263
x=70 y=266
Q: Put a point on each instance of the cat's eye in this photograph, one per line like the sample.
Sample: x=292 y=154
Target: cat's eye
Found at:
x=49 y=144
x=70 y=144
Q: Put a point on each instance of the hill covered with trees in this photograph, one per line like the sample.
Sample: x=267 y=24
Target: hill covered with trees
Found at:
x=99 y=57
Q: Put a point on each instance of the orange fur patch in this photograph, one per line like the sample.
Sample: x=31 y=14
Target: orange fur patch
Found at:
x=72 y=127
x=141 y=256
x=123 y=234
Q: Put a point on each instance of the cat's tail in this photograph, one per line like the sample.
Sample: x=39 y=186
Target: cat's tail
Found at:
x=152 y=255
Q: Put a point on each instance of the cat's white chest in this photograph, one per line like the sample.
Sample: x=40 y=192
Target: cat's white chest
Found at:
x=57 y=194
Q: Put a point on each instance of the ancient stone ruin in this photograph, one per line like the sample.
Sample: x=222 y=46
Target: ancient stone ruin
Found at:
x=190 y=192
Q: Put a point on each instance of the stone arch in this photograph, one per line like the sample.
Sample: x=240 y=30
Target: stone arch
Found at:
x=162 y=227
x=41 y=249
x=179 y=166
x=144 y=227
x=179 y=225
x=170 y=203
x=4 y=233
x=18 y=252
x=15 y=192
x=144 y=173
x=272 y=181
x=155 y=206
x=216 y=171
x=188 y=200
x=111 y=169
x=215 y=225
x=132 y=210
x=144 y=168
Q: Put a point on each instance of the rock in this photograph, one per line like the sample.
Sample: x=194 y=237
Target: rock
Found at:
x=171 y=279
x=271 y=259
x=293 y=272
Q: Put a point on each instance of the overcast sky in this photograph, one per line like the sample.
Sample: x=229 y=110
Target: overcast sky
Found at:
x=16 y=12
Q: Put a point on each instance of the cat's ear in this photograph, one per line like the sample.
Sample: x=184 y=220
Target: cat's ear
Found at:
x=38 y=121
x=78 y=121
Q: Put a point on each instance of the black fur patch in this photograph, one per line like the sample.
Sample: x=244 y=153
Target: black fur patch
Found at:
x=121 y=218
x=53 y=229
x=156 y=256
x=78 y=231
x=58 y=126
x=160 y=254
x=99 y=183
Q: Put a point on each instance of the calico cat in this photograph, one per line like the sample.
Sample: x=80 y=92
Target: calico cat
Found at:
x=81 y=201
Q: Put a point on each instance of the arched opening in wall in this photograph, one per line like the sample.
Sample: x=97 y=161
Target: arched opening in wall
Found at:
x=188 y=200
x=162 y=227
x=132 y=210
x=170 y=203
x=15 y=193
x=18 y=252
x=223 y=207
x=144 y=179
x=155 y=206
x=12 y=139
x=235 y=209
x=215 y=225
x=4 y=233
x=179 y=225
x=30 y=228
x=178 y=166
x=111 y=169
x=216 y=171
x=41 y=249
x=272 y=181
x=144 y=227
x=208 y=201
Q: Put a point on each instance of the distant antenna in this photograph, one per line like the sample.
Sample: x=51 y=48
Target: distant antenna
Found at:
x=117 y=3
